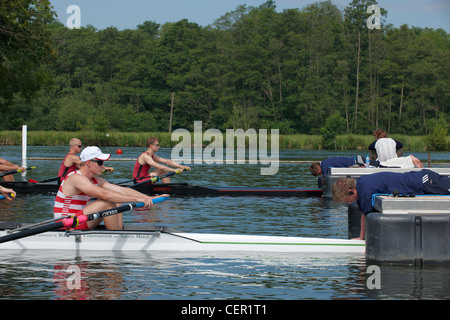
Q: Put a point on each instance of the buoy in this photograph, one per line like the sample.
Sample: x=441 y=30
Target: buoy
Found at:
x=119 y=151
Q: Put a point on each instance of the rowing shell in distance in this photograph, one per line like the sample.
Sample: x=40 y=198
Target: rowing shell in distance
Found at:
x=149 y=238
x=186 y=189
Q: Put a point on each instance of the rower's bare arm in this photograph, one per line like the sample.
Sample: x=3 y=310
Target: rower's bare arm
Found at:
x=129 y=192
x=156 y=163
x=72 y=159
x=10 y=167
x=169 y=162
x=78 y=183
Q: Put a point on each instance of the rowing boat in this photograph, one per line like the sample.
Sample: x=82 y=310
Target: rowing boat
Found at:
x=185 y=189
x=149 y=238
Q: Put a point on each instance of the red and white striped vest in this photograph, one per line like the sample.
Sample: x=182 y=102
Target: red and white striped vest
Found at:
x=70 y=205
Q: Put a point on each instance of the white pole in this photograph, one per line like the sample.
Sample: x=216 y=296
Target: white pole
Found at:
x=24 y=149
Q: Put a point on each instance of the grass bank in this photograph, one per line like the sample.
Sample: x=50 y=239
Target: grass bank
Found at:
x=138 y=139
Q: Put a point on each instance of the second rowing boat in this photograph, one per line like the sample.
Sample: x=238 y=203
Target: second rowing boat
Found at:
x=185 y=189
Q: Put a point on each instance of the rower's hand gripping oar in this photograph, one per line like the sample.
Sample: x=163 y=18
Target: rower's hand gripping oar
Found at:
x=73 y=222
x=15 y=171
x=11 y=195
x=156 y=179
x=169 y=174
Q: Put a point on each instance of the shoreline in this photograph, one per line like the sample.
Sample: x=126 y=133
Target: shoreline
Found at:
x=138 y=139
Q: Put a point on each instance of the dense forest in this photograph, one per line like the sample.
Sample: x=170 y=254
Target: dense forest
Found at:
x=253 y=68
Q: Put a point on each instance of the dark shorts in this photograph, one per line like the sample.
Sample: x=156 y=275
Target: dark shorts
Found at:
x=434 y=183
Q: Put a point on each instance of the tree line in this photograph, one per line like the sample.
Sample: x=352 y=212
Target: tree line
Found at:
x=253 y=67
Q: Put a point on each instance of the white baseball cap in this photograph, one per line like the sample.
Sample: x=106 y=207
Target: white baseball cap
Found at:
x=90 y=153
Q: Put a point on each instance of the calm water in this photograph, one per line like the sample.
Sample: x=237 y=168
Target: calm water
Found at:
x=105 y=276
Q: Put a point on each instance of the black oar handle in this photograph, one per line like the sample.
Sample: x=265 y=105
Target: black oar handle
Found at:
x=155 y=179
x=30 y=232
x=111 y=212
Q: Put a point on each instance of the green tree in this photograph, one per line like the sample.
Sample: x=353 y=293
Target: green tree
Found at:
x=436 y=139
x=25 y=46
x=334 y=125
x=357 y=35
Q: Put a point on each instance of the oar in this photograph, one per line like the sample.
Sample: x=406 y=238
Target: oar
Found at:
x=156 y=179
x=55 y=179
x=15 y=171
x=2 y=197
x=128 y=181
x=47 y=180
x=153 y=179
x=72 y=222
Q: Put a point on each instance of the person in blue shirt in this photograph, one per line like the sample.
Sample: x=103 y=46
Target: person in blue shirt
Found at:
x=321 y=168
x=361 y=190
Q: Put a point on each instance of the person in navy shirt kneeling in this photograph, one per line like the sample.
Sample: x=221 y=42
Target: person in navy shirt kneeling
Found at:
x=361 y=190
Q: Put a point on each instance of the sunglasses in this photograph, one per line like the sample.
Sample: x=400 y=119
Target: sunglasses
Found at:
x=99 y=162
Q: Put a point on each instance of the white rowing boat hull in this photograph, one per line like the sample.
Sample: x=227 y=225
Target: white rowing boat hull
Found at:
x=150 y=241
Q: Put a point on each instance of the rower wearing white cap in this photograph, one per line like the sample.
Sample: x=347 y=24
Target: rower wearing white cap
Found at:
x=80 y=186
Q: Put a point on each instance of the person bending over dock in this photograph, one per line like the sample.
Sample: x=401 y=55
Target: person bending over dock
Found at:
x=362 y=189
x=321 y=168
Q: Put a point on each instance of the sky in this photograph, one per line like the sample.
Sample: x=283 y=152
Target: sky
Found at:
x=127 y=14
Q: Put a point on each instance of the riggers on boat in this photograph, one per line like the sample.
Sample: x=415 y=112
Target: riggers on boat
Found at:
x=25 y=187
x=149 y=238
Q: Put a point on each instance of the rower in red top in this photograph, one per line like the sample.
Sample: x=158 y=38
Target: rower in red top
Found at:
x=71 y=161
x=149 y=159
x=76 y=191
